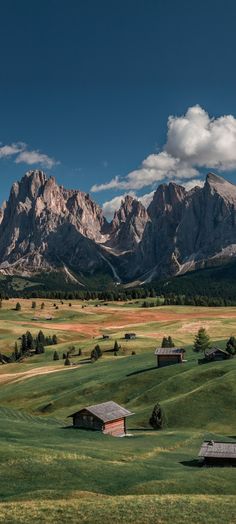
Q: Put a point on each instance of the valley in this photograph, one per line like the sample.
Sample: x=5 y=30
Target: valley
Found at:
x=51 y=471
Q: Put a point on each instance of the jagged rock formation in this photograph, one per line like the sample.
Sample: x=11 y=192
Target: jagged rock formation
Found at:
x=128 y=224
x=44 y=227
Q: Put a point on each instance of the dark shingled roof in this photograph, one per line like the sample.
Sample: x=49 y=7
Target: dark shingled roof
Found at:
x=107 y=411
x=169 y=351
x=218 y=449
x=213 y=350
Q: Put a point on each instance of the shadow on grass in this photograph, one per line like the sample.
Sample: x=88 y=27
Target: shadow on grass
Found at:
x=194 y=463
x=141 y=371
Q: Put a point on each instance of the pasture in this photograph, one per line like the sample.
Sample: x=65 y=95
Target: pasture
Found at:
x=51 y=472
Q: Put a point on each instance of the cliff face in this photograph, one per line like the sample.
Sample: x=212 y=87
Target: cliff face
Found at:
x=128 y=224
x=46 y=227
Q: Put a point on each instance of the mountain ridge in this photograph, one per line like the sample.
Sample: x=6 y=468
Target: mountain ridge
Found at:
x=45 y=228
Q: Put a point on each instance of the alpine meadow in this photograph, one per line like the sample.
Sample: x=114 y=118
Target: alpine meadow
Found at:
x=118 y=262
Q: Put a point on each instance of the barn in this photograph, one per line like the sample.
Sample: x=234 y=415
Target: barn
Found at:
x=168 y=356
x=218 y=453
x=108 y=417
x=215 y=353
x=130 y=336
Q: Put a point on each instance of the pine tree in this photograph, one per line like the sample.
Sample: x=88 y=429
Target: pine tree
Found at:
x=202 y=341
x=41 y=337
x=18 y=306
x=156 y=419
x=33 y=305
x=42 y=305
x=29 y=340
x=98 y=350
x=116 y=347
x=164 y=343
x=231 y=345
x=67 y=362
x=170 y=343
x=56 y=356
x=54 y=339
x=23 y=344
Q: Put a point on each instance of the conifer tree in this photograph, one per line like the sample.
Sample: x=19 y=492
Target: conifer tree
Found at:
x=156 y=419
x=116 y=347
x=202 y=341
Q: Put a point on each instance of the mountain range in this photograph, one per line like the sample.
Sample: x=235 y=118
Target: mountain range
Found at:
x=45 y=228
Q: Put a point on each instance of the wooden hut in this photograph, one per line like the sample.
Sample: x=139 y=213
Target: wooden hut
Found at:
x=218 y=453
x=130 y=336
x=168 y=356
x=215 y=353
x=108 y=417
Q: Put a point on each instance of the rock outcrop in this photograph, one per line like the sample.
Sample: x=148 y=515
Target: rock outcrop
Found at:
x=45 y=227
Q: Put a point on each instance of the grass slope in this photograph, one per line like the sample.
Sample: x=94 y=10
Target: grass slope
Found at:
x=53 y=473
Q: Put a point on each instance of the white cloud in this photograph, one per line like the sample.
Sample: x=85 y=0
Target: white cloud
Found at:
x=35 y=157
x=146 y=199
x=12 y=149
x=193 y=183
x=21 y=154
x=194 y=141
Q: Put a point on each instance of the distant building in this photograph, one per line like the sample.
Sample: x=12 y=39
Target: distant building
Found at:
x=105 y=337
x=218 y=453
x=168 y=356
x=108 y=417
x=216 y=353
x=130 y=336
x=213 y=355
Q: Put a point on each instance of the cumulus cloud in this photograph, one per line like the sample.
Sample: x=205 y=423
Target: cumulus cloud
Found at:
x=35 y=157
x=12 y=149
x=21 y=154
x=194 y=141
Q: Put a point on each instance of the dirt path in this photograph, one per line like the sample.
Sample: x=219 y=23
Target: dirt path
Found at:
x=5 y=378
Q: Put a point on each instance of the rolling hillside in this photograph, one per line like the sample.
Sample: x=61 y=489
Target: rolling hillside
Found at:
x=49 y=471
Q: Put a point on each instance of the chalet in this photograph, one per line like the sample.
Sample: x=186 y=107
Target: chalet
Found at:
x=105 y=337
x=130 y=336
x=168 y=356
x=215 y=353
x=218 y=453
x=108 y=417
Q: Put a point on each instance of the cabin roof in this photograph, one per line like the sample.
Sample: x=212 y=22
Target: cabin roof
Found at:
x=169 y=351
x=107 y=411
x=214 y=449
x=213 y=350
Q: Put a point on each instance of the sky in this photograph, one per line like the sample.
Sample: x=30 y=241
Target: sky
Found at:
x=117 y=96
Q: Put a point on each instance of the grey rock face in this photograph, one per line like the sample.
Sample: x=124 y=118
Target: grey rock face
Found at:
x=44 y=227
x=128 y=225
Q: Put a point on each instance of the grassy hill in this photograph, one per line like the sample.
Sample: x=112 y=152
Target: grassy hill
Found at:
x=51 y=472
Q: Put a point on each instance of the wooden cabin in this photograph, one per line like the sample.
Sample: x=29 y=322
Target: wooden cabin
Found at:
x=105 y=337
x=216 y=354
x=218 y=453
x=130 y=336
x=169 y=356
x=108 y=417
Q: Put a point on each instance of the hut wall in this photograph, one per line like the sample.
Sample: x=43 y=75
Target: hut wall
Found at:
x=87 y=421
x=115 y=427
x=219 y=461
x=167 y=360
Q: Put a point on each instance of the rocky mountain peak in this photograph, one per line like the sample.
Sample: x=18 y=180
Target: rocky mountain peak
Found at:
x=166 y=198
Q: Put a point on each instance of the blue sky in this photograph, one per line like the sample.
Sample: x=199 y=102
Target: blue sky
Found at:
x=87 y=88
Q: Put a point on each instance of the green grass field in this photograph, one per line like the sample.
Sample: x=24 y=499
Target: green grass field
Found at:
x=51 y=472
